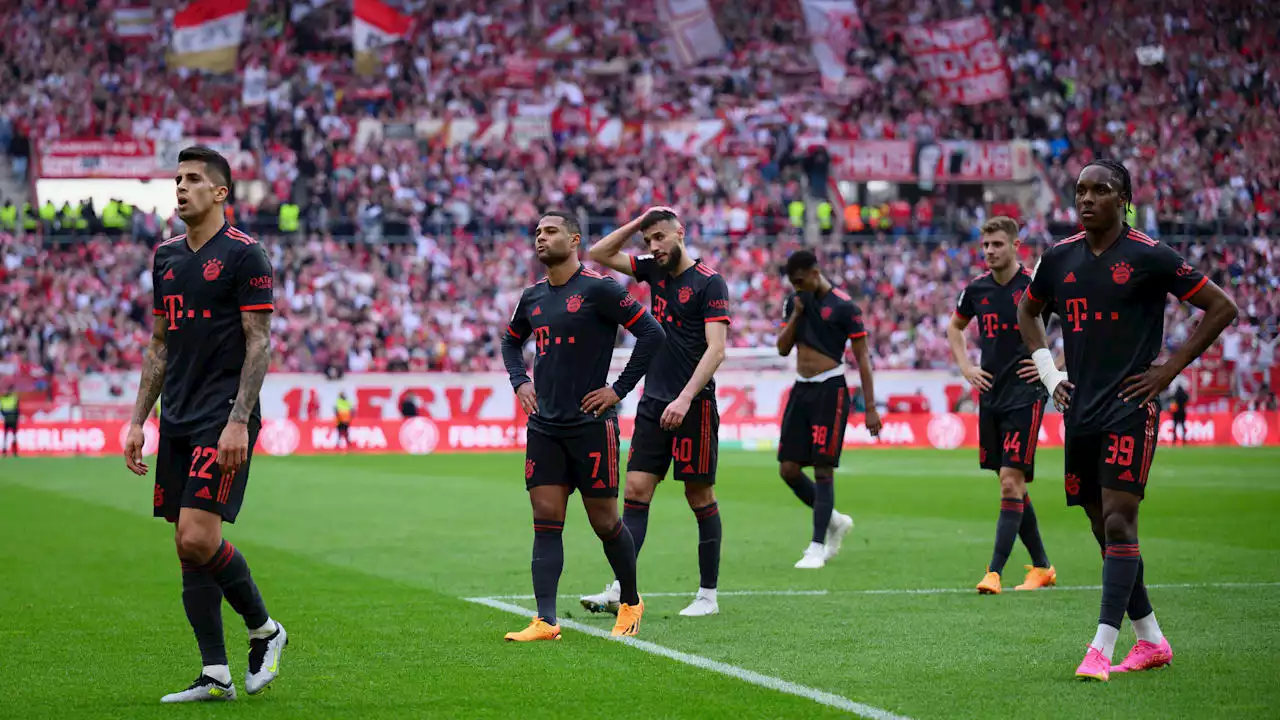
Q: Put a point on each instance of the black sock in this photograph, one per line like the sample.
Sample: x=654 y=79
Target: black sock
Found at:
x=202 y=599
x=548 y=562
x=709 y=532
x=1006 y=530
x=1139 y=604
x=620 y=549
x=824 y=501
x=635 y=515
x=1029 y=532
x=802 y=486
x=1120 y=566
x=230 y=571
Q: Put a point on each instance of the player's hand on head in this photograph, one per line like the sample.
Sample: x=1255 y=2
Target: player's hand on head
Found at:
x=661 y=209
x=1027 y=371
x=1062 y=395
x=133 y=450
x=673 y=416
x=598 y=401
x=1145 y=386
x=233 y=448
x=528 y=398
x=981 y=379
x=873 y=422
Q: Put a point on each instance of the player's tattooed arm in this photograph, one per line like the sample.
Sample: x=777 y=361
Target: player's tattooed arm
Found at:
x=153 y=364
x=257 y=357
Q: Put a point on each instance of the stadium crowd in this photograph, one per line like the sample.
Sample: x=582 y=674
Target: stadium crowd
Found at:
x=1186 y=93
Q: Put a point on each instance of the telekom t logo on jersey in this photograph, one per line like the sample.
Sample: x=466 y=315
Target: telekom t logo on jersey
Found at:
x=542 y=338
x=1077 y=311
x=990 y=321
x=173 y=310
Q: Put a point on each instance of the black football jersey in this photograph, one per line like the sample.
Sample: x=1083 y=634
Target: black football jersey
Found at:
x=684 y=304
x=200 y=295
x=574 y=327
x=994 y=307
x=1112 y=311
x=828 y=323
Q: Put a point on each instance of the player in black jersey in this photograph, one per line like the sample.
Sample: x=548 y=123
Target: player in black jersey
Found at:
x=573 y=317
x=1109 y=284
x=209 y=351
x=677 y=419
x=820 y=320
x=1011 y=404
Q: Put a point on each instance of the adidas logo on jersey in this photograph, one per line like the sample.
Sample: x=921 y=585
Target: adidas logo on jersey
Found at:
x=1071 y=277
x=537 y=311
x=1127 y=476
x=204 y=493
x=688 y=468
x=169 y=275
x=985 y=302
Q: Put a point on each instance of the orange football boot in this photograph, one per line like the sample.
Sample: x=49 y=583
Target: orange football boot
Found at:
x=628 y=619
x=990 y=584
x=1038 y=578
x=539 y=629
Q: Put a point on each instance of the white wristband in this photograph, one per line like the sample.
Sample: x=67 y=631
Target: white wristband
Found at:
x=1050 y=375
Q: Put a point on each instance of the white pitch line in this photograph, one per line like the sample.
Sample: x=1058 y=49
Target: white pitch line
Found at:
x=766 y=681
x=913 y=591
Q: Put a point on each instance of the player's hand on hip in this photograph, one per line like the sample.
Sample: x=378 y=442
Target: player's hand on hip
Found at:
x=1146 y=386
x=233 y=448
x=673 y=416
x=873 y=422
x=598 y=401
x=528 y=398
x=1027 y=371
x=1062 y=395
x=981 y=379
x=133 y=450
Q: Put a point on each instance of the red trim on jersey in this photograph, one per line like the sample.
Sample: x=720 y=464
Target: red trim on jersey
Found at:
x=1037 y=415
x=592 y=273
x=1032 y=295
x=238 y=234
x=705 y=270
x=1142 y=238
x=840 y=294
x=1023 y=269
x=855 y=336
x=156 y=312
x=1148 y=452
x=513 y=333
x=962 y=316
x=983 y=275
x=632 y=258
x=1203 y=281
x=835 y=424
x=1071 y=239
x=633 y=320
x=263 y=306
x=718 y=318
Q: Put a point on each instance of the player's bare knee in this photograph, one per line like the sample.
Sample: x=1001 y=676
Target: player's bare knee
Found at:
x=1013 y=483
x=1120 y=525
x=790 y=470
x=699 y=494
x=547 y=507
x=603 y=516
x=195 y=543
x=640 y=487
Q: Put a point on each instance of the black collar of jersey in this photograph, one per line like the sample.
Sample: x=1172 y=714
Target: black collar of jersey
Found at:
x=186 y=241
x=572 y=277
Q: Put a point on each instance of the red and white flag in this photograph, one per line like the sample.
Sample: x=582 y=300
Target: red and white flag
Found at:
x=207 y=35
x=959 y=60
x=832 y=24
x=375 y=25
x=692 y=31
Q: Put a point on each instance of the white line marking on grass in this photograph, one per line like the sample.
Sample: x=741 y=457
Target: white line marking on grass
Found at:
x=766 y=681
x=912 y=591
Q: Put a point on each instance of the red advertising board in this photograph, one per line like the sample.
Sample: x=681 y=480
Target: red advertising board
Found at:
x=959 y=60
x=422 y=436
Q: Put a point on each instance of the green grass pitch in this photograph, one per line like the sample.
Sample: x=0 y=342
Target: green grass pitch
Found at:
x=368 y=561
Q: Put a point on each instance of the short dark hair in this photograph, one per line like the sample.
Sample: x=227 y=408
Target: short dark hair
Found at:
x=1118 y=169
x=657 y=216
x=214 y=164
x=570 y=222
x=800 y=260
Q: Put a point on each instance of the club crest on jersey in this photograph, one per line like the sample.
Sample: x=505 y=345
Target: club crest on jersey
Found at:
x=573 y=303
x=528 y=469
x=1017 y=296
x=212 y=269
x=826 y=313
x=1121 y=272
x=685 y=294
x=1072 y=484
